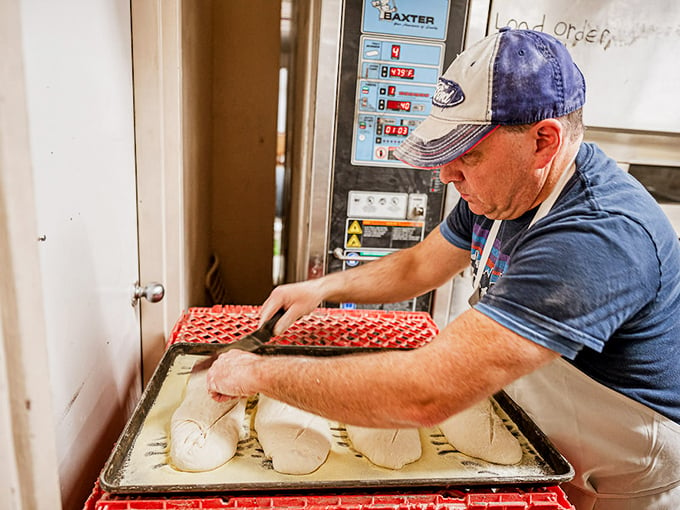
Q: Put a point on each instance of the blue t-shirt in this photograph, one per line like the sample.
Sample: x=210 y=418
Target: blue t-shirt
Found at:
x=596 y=280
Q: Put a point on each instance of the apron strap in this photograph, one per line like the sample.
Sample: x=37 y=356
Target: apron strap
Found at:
x=548 y=203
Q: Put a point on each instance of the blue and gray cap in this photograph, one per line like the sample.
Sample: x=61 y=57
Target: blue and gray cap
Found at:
x=509 y=78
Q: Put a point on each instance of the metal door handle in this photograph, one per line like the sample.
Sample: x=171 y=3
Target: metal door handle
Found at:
x=153 y=292
x=339 y=254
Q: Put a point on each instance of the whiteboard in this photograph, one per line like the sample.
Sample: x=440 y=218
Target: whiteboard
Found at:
x=628 y=51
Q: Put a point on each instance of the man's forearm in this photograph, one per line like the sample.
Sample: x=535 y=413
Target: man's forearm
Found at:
x=379 y=281
x=470 y=359
x=399 y=276
x=386 y=390
x=396 y=277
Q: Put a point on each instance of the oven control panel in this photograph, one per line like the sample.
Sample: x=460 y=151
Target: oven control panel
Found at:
x=397 y=78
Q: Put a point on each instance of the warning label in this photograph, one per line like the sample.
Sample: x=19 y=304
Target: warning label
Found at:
x=354 y=228
x=353 y=241
x=383 y=234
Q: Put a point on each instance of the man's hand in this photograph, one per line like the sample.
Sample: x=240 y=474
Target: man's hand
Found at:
x=399 y=276
x=232 y=375
x=298 y=299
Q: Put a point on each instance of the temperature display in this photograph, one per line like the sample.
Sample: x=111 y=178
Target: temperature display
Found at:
x=402 y=72
x=400 y=106
x=389 y=129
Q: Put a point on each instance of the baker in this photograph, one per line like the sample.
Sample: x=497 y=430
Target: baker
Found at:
x=576 y=302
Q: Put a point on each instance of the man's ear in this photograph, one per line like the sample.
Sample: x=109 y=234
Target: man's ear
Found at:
x=548 y=135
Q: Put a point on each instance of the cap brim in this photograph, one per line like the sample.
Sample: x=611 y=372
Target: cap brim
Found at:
x=436 y=152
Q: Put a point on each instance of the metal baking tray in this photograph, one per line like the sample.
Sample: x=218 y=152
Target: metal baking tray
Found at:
x=139 y=460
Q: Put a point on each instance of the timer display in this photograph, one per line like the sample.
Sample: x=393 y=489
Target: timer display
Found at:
x=402 y=72
x=389 y=129
x=400 y=106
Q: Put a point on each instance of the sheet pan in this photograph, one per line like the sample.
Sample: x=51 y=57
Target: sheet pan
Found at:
x=139 y=461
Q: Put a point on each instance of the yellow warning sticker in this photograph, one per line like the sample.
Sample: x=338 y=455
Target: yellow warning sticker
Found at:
x=355 y=228
x=353 y=242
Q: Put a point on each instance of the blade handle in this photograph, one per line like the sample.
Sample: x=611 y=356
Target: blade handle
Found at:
x=268 y=327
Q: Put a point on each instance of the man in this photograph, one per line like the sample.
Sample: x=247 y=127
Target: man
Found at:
x=578 y=317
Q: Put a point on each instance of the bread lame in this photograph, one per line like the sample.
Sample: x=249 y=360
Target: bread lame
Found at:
x=249 y=343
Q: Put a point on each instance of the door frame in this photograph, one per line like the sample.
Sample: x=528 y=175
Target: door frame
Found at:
x=157 y=85
x=27 y=437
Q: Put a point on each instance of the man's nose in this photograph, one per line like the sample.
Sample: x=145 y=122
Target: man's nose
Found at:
x=450 y=173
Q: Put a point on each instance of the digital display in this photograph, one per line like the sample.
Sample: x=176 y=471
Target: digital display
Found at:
x=402 y=72
x=389 y=129
x=396 y=51
x=391 y=90
x=400 y=106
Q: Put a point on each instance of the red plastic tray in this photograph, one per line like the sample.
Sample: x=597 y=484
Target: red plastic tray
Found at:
x=328 y=326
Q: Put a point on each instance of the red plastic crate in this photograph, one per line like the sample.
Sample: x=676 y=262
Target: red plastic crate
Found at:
x=543 y=498
x=336 y=327
x=326 y=326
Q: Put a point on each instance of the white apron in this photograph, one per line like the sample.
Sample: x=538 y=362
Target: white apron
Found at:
x=626 y=456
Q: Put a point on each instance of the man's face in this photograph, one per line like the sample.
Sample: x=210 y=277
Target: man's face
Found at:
x=498 y=178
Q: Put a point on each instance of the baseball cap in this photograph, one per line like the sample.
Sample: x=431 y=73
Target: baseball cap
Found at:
x=509 y=78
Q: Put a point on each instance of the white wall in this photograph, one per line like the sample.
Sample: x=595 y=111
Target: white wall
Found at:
x=78 y=68
x=28 y=477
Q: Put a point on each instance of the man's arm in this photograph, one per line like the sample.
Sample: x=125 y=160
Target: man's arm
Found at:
x=396 y=277
x=472 y=358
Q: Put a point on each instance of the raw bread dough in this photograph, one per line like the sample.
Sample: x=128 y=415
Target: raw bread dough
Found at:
x=297 y=442
x=204 y=433
x=390 y=448
x=479 y=432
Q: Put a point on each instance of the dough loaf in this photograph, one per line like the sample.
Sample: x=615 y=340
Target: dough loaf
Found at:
x=296 y=441
x=204 y=433
x=479 y=432
x=390 y=448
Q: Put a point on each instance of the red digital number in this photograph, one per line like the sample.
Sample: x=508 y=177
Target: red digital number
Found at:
x=402 y=106
x=396 y=50
x=396 y=130
x=402 y=72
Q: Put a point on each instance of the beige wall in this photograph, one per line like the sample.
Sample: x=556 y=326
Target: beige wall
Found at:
x=246 y=46
x=230 y=69
x=197 y=74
